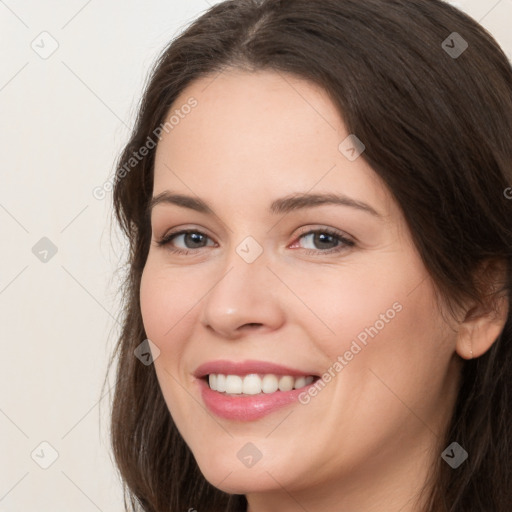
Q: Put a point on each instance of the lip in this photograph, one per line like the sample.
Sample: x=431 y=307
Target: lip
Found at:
x=247 y=407
x=249 y=366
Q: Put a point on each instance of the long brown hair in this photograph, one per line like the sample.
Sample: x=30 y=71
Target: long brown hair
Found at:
x=436 y=120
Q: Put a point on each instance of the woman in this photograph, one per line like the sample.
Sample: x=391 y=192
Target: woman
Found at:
x=317 y=200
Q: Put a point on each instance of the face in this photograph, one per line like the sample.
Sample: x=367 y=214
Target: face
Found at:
x=324 y=288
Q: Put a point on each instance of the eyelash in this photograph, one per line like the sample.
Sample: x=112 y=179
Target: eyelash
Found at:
x=344 y=242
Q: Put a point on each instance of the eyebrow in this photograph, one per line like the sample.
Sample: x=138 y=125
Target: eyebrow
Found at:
x=278 y=206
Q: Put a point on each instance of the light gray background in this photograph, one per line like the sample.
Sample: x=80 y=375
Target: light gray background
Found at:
x=64 y=119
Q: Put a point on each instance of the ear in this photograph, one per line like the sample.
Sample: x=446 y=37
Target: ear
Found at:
x=483 y=323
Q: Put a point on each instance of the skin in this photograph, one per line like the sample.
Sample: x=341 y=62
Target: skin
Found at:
x=366 y=440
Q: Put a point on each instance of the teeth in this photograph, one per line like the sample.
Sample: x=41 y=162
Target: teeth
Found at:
x=221 y=382
x=286 y=383
x=269 y=384
x=254 y=384
x=234 y=384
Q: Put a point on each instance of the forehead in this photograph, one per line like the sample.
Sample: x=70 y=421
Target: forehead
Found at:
x=262 y=132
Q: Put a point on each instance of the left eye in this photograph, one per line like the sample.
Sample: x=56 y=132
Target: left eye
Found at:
x=322 y=240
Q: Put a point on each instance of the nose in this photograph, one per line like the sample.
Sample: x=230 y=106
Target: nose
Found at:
x=246 y=297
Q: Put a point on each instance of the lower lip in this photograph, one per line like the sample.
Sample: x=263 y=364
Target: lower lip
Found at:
x=247 y=407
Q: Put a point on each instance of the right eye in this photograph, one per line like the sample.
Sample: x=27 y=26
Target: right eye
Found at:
x=192 y=238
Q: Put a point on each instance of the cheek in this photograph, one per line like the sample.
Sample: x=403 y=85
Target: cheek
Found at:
x=396 y=351
x=170 y=304
x=167 y=299
x=164 y=311
x=167 y=310
x=378 y=300
x=382 y=324
x=345 y=305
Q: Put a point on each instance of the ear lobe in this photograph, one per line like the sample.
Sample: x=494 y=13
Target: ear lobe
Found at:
x=483 y=323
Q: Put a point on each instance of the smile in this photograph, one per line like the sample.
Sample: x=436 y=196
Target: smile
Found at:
x=254 y=383
x=249 y=390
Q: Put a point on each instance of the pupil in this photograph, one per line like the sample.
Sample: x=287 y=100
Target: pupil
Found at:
x=320 y=239
x=194 y=237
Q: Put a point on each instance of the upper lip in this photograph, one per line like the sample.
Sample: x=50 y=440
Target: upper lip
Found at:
x=246 y=367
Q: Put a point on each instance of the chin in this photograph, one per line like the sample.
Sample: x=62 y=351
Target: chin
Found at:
x=244 y=481
x=233 y=477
